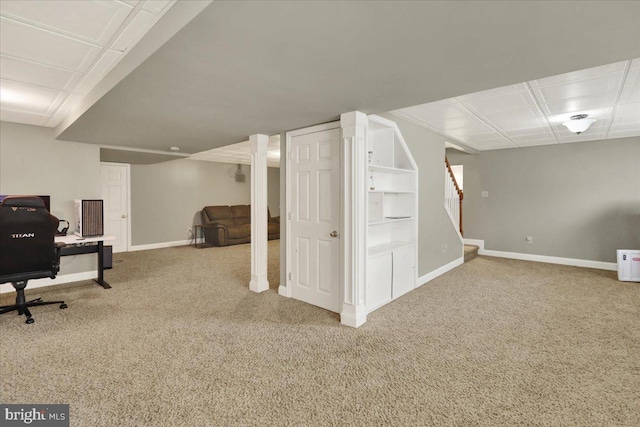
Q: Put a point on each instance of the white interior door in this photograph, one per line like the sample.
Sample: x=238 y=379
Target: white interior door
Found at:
x=315 y=218
x=114 y=189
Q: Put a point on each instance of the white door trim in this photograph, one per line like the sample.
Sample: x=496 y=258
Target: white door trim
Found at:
x=286 y=290
x=128 y=184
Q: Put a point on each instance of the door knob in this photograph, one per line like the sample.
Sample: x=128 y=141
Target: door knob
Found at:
x=124 y=216
x=334 y=233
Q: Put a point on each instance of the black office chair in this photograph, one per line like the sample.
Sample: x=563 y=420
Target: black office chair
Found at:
x=27 y=249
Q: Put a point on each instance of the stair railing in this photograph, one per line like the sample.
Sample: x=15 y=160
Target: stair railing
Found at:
x=453 y=196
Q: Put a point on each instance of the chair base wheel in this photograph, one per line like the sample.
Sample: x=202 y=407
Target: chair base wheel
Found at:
x=29 y=321
x=63 y=305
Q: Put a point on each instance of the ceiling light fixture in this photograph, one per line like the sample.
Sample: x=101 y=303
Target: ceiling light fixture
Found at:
x=579 y=123
x=174 y=148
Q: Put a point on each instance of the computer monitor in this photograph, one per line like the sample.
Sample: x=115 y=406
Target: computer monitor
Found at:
x=45 y=199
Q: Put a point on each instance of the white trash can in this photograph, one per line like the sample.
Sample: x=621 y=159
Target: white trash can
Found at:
x=628 y=265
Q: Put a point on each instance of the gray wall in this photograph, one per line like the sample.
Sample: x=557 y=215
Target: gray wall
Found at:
x=435 y=227
x=166 y=198
x=33 y=162
x=273 y=190
x=579 y=200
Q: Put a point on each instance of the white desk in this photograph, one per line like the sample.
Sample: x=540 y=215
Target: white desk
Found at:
x=76 y=245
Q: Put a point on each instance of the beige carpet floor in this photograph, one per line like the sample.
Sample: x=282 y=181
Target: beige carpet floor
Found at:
x=181 y=341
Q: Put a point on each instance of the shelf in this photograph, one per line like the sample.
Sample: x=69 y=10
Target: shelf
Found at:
x=390 y=169
x=387 y=247
x=389 y=221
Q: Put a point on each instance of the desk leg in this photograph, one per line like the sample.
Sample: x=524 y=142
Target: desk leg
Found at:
x=100 y=280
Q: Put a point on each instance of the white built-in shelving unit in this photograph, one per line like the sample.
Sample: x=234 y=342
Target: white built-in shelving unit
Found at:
x=392 y=214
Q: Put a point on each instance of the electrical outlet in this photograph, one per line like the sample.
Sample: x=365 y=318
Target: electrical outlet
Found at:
x=529 y=239
x=444 y=248
x=484 y=194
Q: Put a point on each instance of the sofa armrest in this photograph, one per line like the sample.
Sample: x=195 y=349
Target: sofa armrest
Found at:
x=215 y=233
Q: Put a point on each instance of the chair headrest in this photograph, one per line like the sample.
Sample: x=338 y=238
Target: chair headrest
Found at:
x=23 y=201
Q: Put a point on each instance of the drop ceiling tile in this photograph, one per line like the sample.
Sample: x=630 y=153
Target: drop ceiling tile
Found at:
x=436 y=113
x=529 y=133
x=525 y=139
x=468 y=125
x=622 y=124
x=501 y=103
x=529 y=118
x=134 y=31
x=599 y=85
x=587 y=74
x=631 y=89
x=34 y=44
x=29 y=99
x=628 y=112
x=31 y=72
x=22 y=117
x=575 y=106
x=93 y=21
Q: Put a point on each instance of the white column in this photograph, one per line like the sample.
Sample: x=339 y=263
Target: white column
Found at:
x=354 y=224
x=259 y=282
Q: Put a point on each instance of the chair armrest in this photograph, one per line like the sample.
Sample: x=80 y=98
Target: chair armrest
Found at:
x=57 y=246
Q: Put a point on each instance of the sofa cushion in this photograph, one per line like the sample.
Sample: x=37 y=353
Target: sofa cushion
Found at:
x=241 y=214
x=216 y=213
x=239 y=231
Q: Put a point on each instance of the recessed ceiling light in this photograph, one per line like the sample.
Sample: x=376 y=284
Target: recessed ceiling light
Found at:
x=579 y=123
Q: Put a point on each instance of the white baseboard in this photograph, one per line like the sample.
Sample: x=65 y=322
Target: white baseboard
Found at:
x=63 y=278
x=440 y=271
x=601 y=265
x=159 y=245
x=475 y=242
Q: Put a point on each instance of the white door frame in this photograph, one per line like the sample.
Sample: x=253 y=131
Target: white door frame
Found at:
x=128 y=184
x=286 y=290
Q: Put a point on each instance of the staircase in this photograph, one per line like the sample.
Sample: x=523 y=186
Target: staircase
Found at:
x=470 y=252
x=453 y=197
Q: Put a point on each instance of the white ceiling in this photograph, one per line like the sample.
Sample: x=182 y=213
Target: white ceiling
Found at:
x=532 y=113
x=240 y=153
x=241 y=68
x=52 y=53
